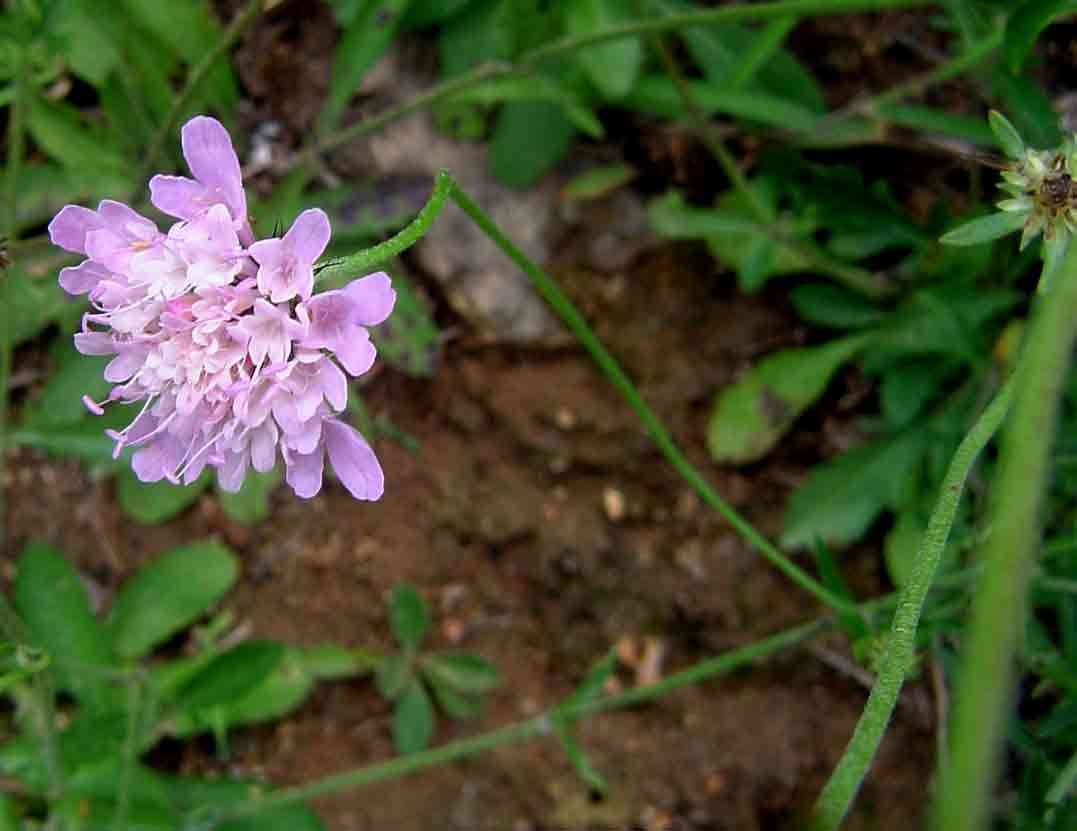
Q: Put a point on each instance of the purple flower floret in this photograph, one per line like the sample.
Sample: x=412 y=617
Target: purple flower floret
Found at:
x=235 y=361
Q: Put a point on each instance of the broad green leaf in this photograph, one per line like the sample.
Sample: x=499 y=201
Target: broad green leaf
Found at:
x=536 y=88
x=91 y=814
x=751 y=416
x=9 y=820
x=366 y=37
x=189 y=29
x=488 y=30
x=408 y=615
x=907 y=387
x=658 y=95
x=88 y=47
x=826 y=304
x=984 y=229
x=456 y=704
x=413 y=719
x=1025 y=24
x=84 y=439
x=841 y=498
x=232 y=675
x=98 y=780
x=52 y=601
x=64 y=135
x=250 y=504
x=672 y=217
x=598 y=182
x=29 y=305
x=463 y=672
x=423 y=13
x=927 y=120
x=1009 y=140
x=1029 y=108
x=154 y=502
x=60 y=402
x=612 y=66
x=393 y=675
x=529 y=138
x=168 y=595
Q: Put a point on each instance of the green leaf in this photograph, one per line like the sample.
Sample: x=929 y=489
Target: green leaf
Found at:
x=85 y=439
x=230 y=676
x=88 y=47
x=598 y=182
x=1006 y=134
x=9 y=820
x=60 y=402
x=752 y=415
x=984 y=229
x=488 y=30
x=250 y=504
x=191 y=794
x=536 y=88
x=52 y=601
x=64 y=135
x=672 y=217
x=463 y=672
x=826 y=304
x=1029 y=109
x=364 y=40
x=1025 y=25
x=927 y=120
x=841 y=498
x=408 y=615
x=423 y=13
x=612 y=66
x=529 y=138
x=394 y=673
x=153 y=502
x=188 y=29
x=908 y=386
x=456 y=704
x=32 y=304
x=168 y=595
x=901 y=545
x=413 y=720
x=658 y=95
x=588 y=773
x=590 y=688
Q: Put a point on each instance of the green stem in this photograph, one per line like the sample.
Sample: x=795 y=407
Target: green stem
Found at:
x=445 y=188
x=985 y=679
x=838 y=794
x=194 y=80
x=539 y=725
x=568 y=313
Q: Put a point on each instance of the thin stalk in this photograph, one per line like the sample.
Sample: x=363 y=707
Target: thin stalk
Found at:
x=194 y=80
x=985 y=679
x=568 y=313
x=532 y=58
x=840 y=791
x=445 y=188
x=540 y=725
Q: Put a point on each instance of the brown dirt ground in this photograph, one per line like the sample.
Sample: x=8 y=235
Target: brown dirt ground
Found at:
x=543 y=527
x=504 y=519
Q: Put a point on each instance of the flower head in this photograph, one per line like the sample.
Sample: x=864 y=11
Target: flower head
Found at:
x=235 y=362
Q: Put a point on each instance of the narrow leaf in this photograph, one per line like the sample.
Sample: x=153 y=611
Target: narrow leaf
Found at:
x=984 y=229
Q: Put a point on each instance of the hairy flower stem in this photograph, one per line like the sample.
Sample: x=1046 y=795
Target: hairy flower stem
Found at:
x=985 y=679
x=840 y=791
x=445 y=188
x=194 y=80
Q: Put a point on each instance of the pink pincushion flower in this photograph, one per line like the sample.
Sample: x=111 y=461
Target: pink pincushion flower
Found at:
x=235 y=362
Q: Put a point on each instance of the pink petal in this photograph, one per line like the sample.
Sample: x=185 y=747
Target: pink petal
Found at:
x=264 y=447
x=82 y=278
x=177 y=196
x=230 y=474
x=267 y=252
x=95 y=343
x=308 y=236
x=334 y=385
x=355 y=351
x=207 y=147
x=373 y=298
x=69 y=227
x=124 y=365
x=304 y=473
x=353 y=461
